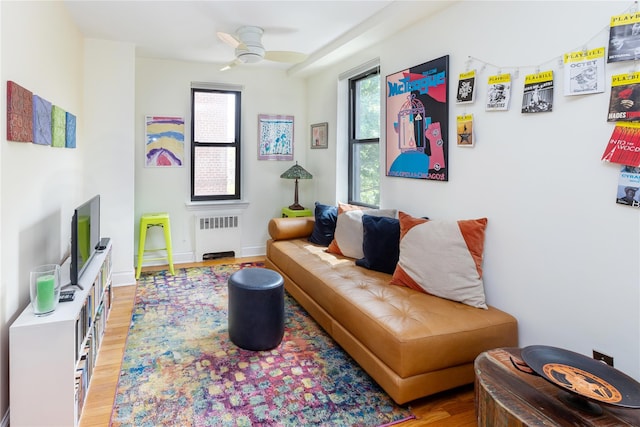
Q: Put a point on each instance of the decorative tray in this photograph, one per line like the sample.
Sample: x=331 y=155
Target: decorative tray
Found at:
x=583 y=376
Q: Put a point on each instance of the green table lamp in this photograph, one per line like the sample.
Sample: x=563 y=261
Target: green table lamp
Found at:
x=296 y=172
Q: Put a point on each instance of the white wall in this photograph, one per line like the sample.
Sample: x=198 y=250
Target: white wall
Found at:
x=163 y=88
x=560 y=255
x=109 y=99
x=41 y=50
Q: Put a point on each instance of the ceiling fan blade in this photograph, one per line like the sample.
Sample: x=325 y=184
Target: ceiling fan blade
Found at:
x=228 y=39
x=285 y=56
x=231 y=65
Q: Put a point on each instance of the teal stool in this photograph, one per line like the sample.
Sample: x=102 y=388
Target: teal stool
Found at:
x=155 y=220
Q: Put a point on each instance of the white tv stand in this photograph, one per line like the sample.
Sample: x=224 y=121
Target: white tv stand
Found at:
x=51 y=358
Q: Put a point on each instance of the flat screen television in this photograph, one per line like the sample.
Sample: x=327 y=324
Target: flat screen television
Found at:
x=85 y=237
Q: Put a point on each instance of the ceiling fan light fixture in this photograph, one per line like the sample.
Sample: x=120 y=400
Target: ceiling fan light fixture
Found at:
x=249 y=58
x=250 y=54
x=249 y=49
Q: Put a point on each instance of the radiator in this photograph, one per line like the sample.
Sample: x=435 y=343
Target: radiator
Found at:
x=218 y=233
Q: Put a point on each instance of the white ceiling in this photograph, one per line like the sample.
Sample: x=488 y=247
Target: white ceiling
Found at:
x=185 y=30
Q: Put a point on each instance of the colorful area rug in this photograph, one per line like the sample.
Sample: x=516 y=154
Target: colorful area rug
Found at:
x=180 y=368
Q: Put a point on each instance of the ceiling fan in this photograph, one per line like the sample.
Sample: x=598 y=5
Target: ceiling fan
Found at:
x=249 y=49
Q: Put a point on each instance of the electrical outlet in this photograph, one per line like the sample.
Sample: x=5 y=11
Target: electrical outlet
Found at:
x=603 y=358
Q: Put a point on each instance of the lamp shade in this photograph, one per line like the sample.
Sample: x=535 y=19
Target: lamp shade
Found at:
x=296 y=172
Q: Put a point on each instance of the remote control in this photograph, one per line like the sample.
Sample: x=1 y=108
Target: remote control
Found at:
x=103 y=244
x=66 y=296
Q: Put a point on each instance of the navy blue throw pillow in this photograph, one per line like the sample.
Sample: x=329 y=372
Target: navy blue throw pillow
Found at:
x=380 y=243
x=325 y=225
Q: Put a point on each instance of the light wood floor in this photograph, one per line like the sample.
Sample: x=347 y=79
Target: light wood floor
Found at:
x=449 y=409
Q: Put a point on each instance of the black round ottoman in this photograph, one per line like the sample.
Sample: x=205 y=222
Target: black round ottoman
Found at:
x=256 y=308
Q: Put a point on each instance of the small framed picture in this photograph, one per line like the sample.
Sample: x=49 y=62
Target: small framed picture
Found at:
x=319 y=135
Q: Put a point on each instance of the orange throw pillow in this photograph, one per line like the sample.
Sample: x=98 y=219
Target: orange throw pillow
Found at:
x=442 y=258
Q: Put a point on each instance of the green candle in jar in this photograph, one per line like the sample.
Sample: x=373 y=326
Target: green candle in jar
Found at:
x=45 y=293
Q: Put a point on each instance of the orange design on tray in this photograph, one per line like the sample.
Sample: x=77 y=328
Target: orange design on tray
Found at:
x=582 y=382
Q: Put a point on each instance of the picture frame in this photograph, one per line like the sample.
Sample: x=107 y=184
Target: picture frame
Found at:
x=164 y=141
x=275 y=137
x=319 y=135
x=19 y=113
x=417 y=121
x=41 y=121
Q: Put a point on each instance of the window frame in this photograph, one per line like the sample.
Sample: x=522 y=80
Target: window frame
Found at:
x=353 y=142
x=235 y=144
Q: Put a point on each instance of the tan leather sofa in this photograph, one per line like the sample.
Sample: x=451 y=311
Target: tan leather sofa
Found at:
x=412 y=344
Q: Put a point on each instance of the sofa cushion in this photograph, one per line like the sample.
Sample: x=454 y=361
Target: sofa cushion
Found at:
x=347 y=240
x=291 y=227
x=380 y=243
x=442 y=258
x=325 y=225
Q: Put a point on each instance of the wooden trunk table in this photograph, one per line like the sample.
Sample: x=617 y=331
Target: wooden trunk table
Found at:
x=506 y=396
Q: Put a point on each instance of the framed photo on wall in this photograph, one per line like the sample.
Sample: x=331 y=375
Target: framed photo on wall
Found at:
x=319 y=137
x=275 y=134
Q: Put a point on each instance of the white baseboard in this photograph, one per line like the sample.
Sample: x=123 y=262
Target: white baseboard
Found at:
x=178 y=258
x=189 y=257
x=5 y=419
x=254 y=251
x=123 y=278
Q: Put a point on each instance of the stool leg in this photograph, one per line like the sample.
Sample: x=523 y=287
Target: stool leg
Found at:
x=167 y=239
x=141 y=242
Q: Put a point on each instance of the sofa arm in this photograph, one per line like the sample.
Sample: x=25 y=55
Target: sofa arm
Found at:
x=290 y=227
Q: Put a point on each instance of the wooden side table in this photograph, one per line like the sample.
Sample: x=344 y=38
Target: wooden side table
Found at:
x=506 y=396
x=286 y=212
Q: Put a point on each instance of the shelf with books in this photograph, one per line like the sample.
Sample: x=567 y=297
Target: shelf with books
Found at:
x=52 y=357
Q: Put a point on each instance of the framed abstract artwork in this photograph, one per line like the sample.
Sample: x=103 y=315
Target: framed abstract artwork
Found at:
x=70 y=131
x=19 y=113
x=417 y=121
x=319 y=135
x=58 y=126
x=41 y=121
x=275 y=137
x=164 y=141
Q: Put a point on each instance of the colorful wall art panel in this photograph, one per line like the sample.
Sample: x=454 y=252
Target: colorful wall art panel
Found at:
x=19 y=113
x=417 y=122
x=164 y=144
x=70 y=131
x=275 y=135
x=58 y=126
x=41 y=121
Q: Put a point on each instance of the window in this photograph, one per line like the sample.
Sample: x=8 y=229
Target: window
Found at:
x=364 y=139
x=215 y=144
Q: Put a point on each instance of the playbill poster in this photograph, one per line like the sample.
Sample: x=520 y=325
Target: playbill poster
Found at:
x=417 y=126
x=624 y=103
x=629 y=186
x=464 y=129
x=584 y=72
x=466 y=87
x=624 y=37
x=538 y=93
x=624 y=145
x=498 y=92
